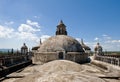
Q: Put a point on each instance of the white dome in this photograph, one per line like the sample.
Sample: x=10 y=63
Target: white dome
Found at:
x=61 y=43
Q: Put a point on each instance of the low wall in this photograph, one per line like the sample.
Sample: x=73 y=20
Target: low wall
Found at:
x=12 y=60
x=14 y=68
x=107 y=59
x=43 y=57
x=77 y=57
x=40 y=57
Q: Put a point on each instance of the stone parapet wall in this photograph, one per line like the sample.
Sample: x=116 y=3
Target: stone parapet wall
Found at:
x=108 y=59
x=77 y=57
x=7 y=61
x=43 y=57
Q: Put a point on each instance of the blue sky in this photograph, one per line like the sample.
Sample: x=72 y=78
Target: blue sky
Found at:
x=29 y=20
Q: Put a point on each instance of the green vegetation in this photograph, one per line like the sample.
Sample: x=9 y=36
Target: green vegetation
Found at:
x=107 y=53
x=3 y=53
x=113 y=52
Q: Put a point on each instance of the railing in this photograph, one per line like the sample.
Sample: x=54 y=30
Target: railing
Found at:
x=108 y=59
x=6 y=61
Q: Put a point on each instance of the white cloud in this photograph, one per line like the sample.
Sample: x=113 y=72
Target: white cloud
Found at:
x=111 y=46
x=36 y=17
x=29 y=22
x=27 y=28
x=104 y=35
x=6 y=32
x=108 y=39
x=9 y=23
x=96 y=39
x=113 y=41
x=108 y=43
x=27 y=31
x=27 y=36
x=78 y=39
x=44 y=37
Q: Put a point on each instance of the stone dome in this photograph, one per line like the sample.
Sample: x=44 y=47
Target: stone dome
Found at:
x=24 y=46
x=61 y=43
x=98 y=47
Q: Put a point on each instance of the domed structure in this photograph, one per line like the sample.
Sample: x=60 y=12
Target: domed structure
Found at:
x=24 y=49
x=24 y=46
x=60 y=46
x=61 y=43
x=98 y=49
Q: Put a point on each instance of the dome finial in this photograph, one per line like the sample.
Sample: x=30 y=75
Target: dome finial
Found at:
x=24 y=44
x=61 y=22
x=98 y=43
x=61 y=29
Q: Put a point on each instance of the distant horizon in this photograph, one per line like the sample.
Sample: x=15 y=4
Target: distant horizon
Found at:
x=26 y=21
x=20 y=50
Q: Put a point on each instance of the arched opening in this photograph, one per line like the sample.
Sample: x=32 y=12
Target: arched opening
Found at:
x=61 y=56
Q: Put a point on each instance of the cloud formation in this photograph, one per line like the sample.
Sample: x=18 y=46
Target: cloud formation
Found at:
x=106 y=41
x=25 y=31
x=29 y=31
x=6 y=32
x=9 y=23
x=35 y=24
x=109 y=43
x=29 y=26
x=44 y=37
x=96 y=38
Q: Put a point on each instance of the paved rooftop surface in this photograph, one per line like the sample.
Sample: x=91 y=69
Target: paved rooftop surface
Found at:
x=67 y=71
